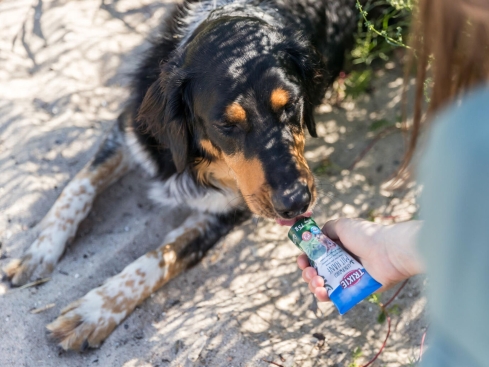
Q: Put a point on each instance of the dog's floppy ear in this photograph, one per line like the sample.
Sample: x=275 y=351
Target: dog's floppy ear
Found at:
x=308 y=115
x=166 y=112
x=310 y=68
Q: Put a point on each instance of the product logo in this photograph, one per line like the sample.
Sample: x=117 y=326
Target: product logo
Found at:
x=351 y=278
x=306 y=236
x=315 y=230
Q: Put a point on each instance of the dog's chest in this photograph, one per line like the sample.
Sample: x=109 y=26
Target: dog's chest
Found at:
x=182 y=189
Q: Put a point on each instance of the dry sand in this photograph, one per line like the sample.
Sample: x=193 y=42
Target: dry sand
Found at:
x=64 y=70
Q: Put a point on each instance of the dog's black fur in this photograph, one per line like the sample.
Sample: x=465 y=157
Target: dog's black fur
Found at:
x=218 y=114
x=312 y=36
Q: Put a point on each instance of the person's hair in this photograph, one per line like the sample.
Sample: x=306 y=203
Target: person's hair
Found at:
x=451 y=39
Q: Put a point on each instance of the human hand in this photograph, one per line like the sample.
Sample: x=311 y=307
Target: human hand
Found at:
x=388 y=253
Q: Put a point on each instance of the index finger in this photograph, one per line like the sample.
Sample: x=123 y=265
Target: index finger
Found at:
x=302 y=261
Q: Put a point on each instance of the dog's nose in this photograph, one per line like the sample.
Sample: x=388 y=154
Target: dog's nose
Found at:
x=293 y=201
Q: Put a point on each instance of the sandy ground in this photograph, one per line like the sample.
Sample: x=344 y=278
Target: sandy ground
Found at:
x=64 y=70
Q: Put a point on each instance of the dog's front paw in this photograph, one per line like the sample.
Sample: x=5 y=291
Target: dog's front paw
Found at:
x=39 y=260
x=87 y=322
x=20 y=271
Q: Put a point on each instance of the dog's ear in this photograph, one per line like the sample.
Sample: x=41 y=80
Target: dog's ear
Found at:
x=166 y=113
x=309 y=68
x=308 y=116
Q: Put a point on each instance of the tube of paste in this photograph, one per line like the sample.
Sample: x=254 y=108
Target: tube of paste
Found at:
x=345 y=279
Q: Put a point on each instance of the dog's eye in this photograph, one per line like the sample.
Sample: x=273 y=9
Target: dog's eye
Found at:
x=227 y=127
x=288 y=108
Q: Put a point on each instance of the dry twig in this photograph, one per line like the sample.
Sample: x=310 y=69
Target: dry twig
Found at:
x=43 y=308
x=33 y=284
x=271 y=362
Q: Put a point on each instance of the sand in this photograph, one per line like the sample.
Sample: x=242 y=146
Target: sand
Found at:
x=64 y=69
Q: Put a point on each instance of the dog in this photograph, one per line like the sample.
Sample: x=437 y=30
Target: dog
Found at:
x=218 y=114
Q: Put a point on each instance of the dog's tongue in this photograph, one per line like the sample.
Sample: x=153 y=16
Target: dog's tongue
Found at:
x=286 y=222
x=291 y=222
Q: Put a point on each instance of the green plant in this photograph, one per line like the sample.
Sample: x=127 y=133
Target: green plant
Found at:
x=357 y=353
x=381 y=27
x=371 y=215
x=323 y=167
x=413 y=362
x=326 y=167
x=377 y=36
x=357 y=83
x=384 y=311
x=379 y=125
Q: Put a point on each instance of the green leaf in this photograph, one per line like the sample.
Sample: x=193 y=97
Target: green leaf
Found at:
x=379 y=124
x=382 y=316
x=395 y=310
x=371 y=215
x=324 y=167
x=374 y=298
x=357 y=83
x=357 y=352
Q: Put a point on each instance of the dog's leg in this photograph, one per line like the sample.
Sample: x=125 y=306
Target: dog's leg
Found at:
x=88 y=321
x=61 y=222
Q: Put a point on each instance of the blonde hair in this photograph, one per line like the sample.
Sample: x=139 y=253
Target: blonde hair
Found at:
x=451 y=38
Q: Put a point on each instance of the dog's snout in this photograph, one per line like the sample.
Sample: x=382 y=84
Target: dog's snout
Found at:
x=293 y=201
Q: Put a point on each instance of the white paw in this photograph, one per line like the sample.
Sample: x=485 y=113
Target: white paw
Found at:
x=87 y=322
x=20 y=271
x=38 y=261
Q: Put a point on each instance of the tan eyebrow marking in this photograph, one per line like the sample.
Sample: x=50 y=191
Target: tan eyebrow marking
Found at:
x=235 y=113
x=279 y=98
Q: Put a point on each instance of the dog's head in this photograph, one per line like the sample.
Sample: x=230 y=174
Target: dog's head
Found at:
x=241 y=92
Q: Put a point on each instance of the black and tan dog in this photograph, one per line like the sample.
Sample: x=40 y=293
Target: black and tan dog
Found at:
x=218 y=117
